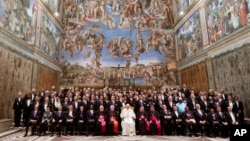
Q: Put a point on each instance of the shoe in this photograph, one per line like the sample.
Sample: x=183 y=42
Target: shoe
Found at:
x=51 y=135
x=25 y=135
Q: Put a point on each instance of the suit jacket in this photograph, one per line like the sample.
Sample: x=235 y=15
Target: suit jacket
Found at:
x=158 y=105
x=18 y=105
x=166 y=113
x=91 y=116
x=70 y=117
x=186 y=92
x=169 y=105
x=190 y=104
x=221 y=117
x=230 y=119
x=199 y=116
x=27 y=109
x=81 y=116
x=59 y=116
x=36 y=116
x=211 y=118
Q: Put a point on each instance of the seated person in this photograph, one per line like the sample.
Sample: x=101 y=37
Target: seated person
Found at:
x=101 y=118
x=34 y=120
x=58 y=121
x=213 y=123
x=91 y=121
x=46 y=121
x=190 y=121
x=200 y=118
x=70 y=120
x=154 y=121
x=81 y=120
x=112 y=127
x=166 y=120
x=142 y=119
x=128 y=121
x=178 y=126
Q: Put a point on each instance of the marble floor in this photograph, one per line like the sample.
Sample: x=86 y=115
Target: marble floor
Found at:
x=18 y=136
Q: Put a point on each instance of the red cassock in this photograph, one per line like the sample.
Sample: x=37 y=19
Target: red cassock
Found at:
x=103 y=124
x=115 y=125
x=157 y=122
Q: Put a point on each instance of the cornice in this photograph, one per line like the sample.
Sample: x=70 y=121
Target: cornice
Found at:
x=15 y=44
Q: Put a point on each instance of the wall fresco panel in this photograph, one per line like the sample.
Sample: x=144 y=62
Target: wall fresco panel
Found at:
x=231 y=72
x=14 y=76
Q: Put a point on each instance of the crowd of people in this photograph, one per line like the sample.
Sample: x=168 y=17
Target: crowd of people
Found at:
x=128 y=111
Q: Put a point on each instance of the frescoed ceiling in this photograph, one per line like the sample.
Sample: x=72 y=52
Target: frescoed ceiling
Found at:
x=132 y=36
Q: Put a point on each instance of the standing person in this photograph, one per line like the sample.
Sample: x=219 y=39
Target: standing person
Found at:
x=27 y=109
x=18 y=107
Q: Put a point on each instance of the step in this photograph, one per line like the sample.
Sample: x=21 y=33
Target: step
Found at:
x=5 y=125
x=9 y=132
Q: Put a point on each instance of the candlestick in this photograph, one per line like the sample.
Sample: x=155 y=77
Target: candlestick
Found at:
x=114 y=74
x=124 y=74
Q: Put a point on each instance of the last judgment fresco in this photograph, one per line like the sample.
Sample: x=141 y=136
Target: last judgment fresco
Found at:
x=118 y=43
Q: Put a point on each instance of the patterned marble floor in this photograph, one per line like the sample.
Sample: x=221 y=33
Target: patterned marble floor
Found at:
x=19 y=137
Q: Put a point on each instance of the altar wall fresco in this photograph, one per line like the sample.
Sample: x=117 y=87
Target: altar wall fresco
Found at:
x=46 y=77
x=118 y=42
x=195 y=77
x=232 y=72
x=226 y=17
x=20 y=18
x=15 y=76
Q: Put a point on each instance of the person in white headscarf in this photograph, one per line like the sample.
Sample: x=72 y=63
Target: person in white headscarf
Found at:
x=128 y=121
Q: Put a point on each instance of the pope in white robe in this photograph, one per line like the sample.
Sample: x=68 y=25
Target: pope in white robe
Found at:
x=128 y=121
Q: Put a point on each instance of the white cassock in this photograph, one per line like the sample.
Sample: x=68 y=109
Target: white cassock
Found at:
x=128 y=123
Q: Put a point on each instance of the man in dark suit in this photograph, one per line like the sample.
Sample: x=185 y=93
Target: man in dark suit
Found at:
x=223 y=123
x=58 y=121
x=239 y=109
x=34 y=120
x=192 y=102
x=70 y=120
x=81 y=120
x=178 y=126
x=200 y=118
x=27 y=109
x=18 y=107
x=185 y=90
x=166 y=117
x=91 y=121
x=223 y=95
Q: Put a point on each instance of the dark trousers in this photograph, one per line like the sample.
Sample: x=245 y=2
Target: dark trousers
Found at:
x=33 y=126
x=17 y=118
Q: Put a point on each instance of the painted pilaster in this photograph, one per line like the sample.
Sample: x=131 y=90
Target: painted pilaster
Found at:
x=210 y=74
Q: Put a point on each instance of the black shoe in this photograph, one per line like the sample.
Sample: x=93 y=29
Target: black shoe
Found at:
x=25 y=135
x=51 y=135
